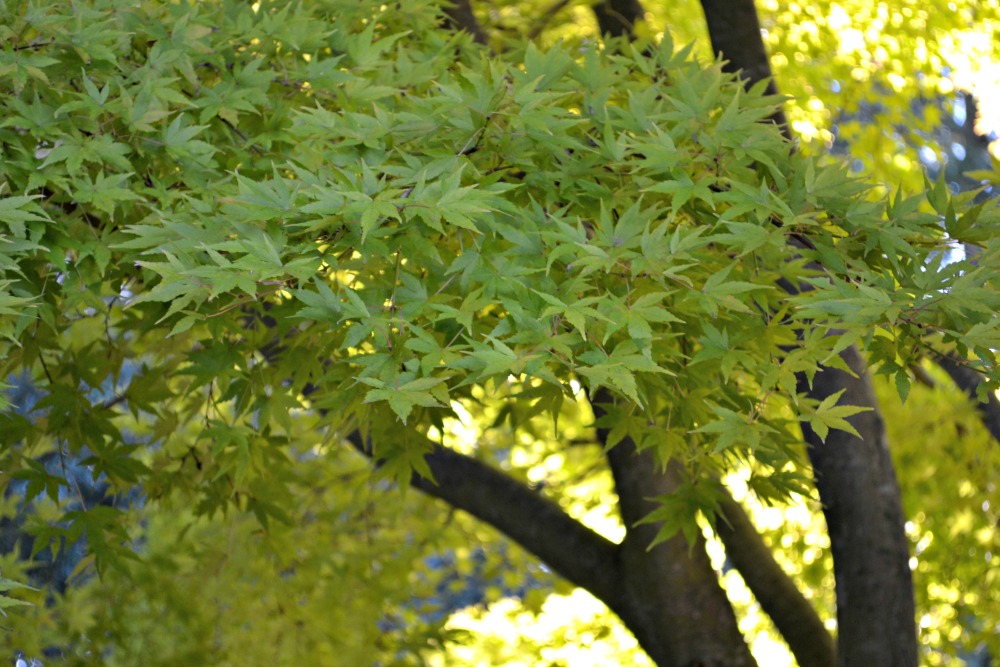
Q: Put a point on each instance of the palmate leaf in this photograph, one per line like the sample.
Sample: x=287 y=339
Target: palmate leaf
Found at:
x=11 y=308
x=613 y=375
x=6 y=602
x=302 y=220
x=18 y=210
x=646 y=309
x=734 y=429
x=828 y=415
x=403 y=398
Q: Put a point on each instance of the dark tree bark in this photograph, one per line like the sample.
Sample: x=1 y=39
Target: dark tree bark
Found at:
x=968 y=381
x=673 y=601
x=854 y=476
x=779 y=597
x=656 y=593
x=538 y=524
x=734 y=29
x=617 y=18
x=460 y=17
x=864 y=517
x=668 y=596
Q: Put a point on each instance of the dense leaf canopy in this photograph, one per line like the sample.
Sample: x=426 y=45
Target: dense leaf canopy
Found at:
x=235 y=234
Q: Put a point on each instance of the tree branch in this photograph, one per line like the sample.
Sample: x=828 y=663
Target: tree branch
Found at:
x=779 y=597
x=968 y=381
x=854 y=476
x=460 y=17
x=617 y=18
x=674 y=604
x=864 y=517
x=535 y=522
x=734 y=29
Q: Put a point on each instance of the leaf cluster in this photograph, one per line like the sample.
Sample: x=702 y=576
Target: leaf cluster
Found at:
x=232 y=232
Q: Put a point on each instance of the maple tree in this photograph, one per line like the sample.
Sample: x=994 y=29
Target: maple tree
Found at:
x=245 y=243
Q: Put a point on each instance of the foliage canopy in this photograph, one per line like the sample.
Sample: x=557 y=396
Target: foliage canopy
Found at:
x=235 y=234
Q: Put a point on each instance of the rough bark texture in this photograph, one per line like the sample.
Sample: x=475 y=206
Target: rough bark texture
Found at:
x=669 y=597
x=779 y=597
x=535 y=522
x=857 y=486
x=673 y=602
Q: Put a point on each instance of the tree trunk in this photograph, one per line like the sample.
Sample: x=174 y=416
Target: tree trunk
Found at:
x=734 y=29
x=854 y=477
x=672 y=600
x=460 y=17
x=864 y=517
x=668 y=596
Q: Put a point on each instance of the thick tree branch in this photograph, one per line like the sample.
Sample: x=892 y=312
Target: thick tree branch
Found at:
x=535 y=522
x=968 y=381
x=673 y=601
x=854 y=476
x=779 y=597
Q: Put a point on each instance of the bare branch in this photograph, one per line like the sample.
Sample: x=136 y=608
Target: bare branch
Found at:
x=779 y=597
